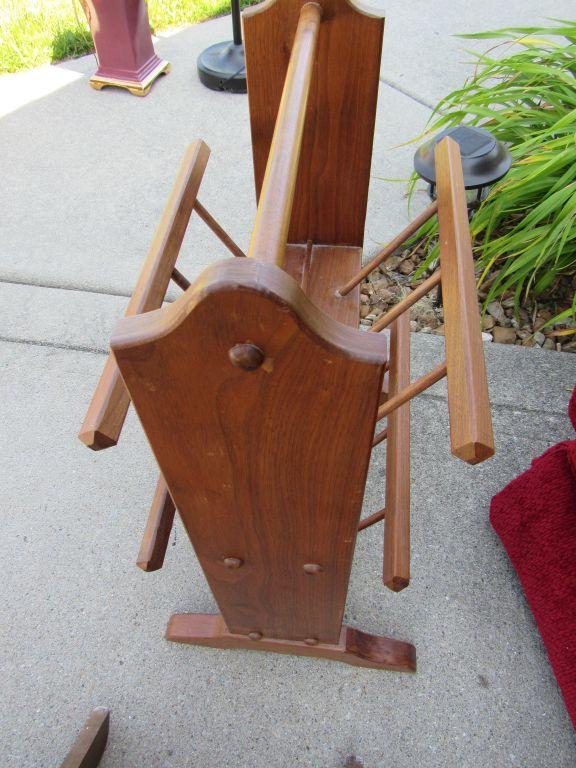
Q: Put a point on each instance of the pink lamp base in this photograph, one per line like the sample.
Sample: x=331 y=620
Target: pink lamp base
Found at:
x=138 y=83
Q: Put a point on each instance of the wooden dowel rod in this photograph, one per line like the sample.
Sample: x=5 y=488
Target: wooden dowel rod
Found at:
x=379 y=438
x=375 y=518
x=178 y=278
x=220 y=233
x=471 y=435
x=270 y=234
x=401 y=397
x=396 y=568
x=406 y=233
x=106 y=413
x=158 y=529
x=418 y=292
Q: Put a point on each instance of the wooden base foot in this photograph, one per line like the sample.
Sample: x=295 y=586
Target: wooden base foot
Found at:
x=137 y=88
x=355 y=647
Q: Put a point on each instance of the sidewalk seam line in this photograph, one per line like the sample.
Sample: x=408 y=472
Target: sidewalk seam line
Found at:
x=100 y=351
x=78 y=289
x=404 y=92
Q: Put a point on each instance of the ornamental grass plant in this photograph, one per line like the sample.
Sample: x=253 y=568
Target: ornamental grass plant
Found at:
x=523 y=90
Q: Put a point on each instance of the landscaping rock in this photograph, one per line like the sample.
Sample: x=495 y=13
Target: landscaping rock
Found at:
x=496 y=310
x=504 y=335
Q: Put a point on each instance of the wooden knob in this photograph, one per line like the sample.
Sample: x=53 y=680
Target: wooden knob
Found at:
x=255 y=635
x=312 y=568
x=311 y=641
x=246 y=356
x=232 y=562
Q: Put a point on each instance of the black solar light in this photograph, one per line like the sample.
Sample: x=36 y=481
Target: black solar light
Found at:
x=221 y=67
x=484 y=160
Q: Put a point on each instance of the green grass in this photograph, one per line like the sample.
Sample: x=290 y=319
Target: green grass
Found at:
x=524 y=233
x=35 y=32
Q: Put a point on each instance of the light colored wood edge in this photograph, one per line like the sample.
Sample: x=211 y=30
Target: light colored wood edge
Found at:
x=270 y=234
x=251 y=275
x=158 y=528
x=363 y=9
x=396 y=571
x=107 y=410
x=471 y=432
x=87 y=750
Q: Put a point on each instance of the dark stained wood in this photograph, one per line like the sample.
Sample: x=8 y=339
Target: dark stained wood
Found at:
x=351 y=647
x=396 y=572
x=334 y=169
x=254 y=459
x=372 y=519
x=398 y=398
x=107 y=411
x=380 y=437
x=396 y=242
x=270 y=233
x=398 y=309
x=158 y=529
x=87 y=750
x=471 y=433
x=178 y=278
x=220 y=233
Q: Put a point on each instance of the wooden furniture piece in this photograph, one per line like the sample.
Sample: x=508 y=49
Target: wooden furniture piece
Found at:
x=257 y=392
x=87 y=750
x=123 y=42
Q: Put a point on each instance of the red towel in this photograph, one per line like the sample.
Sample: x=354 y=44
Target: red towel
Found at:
x=535 y=517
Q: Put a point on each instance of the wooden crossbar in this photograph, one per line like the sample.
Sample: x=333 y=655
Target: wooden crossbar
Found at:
x=407 y=302
x=401 y=238
x=371 y=520
x=471 y=434
x=270 y=232
x=399 y=397
x=107 y=411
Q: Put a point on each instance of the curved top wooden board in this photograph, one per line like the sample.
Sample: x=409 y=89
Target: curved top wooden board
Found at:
x=332 y=186
x=266 y=467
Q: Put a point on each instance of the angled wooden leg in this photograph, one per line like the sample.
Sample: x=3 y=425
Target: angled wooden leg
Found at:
x=89 y=747
x=158 y=529
x=354 y=647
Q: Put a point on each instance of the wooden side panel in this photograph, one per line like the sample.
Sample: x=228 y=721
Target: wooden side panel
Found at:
x=266 y=466
x=334 y=173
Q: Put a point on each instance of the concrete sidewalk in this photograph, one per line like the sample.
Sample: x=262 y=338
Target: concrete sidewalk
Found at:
x=86 y=175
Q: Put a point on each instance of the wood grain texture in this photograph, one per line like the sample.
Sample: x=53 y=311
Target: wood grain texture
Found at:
x=334 y=169
x=354 y=647
x=471 y=433
x=270 y=232
x=254 y=459
x=158 y=529
x=87 y=750
x=320 y=269
x=396 y=572
x=107 y=411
